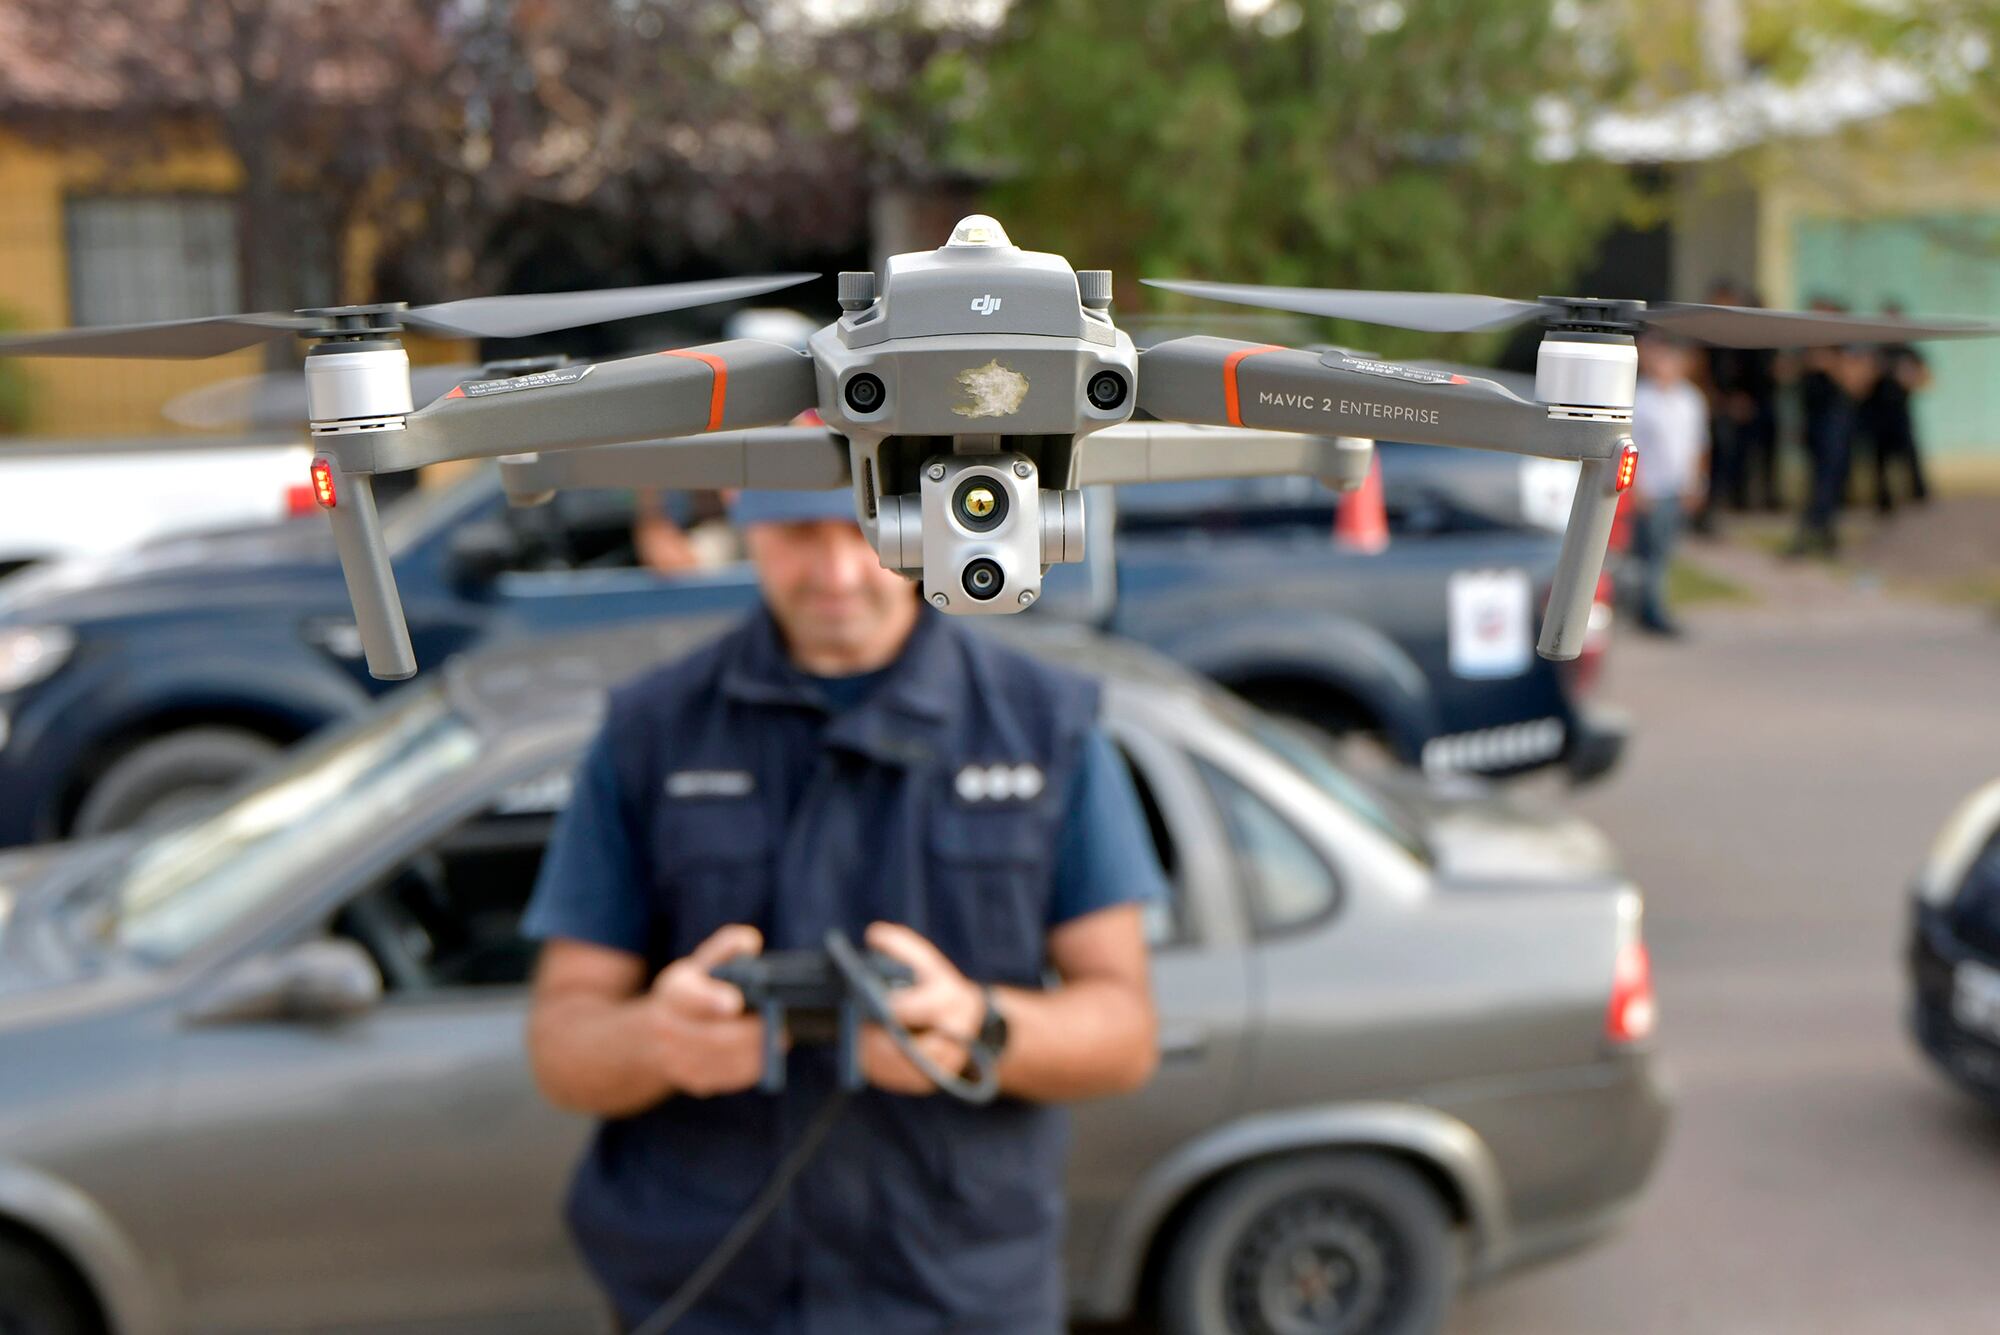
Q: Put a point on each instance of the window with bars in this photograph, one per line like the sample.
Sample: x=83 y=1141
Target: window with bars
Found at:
x=151 y=257
x=171 y=257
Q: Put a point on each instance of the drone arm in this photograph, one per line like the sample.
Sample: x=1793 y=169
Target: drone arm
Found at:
x=1177 y=451
x=1228 y=383
x=741 y=383
x=1223 y=382
x=800 y=458
x=738 y=383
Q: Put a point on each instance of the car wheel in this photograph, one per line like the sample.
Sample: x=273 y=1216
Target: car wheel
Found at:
x=157 y=779
x=38 y=1298
x=1334 y=1244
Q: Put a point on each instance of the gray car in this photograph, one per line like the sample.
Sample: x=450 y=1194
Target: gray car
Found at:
x=264 y=1069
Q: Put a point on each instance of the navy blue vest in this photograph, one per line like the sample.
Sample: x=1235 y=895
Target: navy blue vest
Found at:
x=934 y=802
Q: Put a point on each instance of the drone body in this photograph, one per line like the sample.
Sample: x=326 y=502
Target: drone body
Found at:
x=967 y=399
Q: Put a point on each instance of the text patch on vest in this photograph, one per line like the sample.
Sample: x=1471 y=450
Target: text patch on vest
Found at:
x=710 y=783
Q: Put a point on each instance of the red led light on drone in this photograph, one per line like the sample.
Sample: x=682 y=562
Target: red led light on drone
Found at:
x=322 y=475
x=1628 y=465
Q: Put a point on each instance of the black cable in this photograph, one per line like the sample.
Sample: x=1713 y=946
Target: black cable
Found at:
x=754 y=1217
x=984 y=1085
x=874 y=998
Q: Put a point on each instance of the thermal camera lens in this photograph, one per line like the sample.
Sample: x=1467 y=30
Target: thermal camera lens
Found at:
x=980 y=503
x=983 y=578
x=865 y=393
x=1106 y=390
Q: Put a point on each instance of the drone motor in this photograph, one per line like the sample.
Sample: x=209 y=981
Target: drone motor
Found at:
x=357 y=374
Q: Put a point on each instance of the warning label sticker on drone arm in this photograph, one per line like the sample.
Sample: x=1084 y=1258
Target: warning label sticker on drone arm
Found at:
x=561 y=375
x=1420 y=375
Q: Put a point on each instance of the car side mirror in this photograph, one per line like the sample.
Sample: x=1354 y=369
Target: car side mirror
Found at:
x=328 y=979
x=481 y=551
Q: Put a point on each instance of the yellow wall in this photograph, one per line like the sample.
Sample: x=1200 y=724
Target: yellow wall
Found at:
x=85 y=397
x=77 y=397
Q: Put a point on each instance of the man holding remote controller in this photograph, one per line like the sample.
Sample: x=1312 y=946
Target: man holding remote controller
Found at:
x=845 y=759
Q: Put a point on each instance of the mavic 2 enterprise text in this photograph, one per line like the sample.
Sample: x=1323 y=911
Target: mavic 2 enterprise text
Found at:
x=1393 y=412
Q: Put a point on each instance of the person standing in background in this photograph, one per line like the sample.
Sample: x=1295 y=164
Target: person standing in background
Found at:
x=1885 y=417
x=1670 y=426
x=1830 y=388
x=1743 y=458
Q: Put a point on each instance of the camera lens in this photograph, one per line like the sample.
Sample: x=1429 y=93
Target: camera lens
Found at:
x=980 y=503
x=865 y=393
x=983 y=578
x=1106 y=390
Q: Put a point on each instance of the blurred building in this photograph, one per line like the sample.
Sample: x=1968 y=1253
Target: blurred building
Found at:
x=1838 y=186
x=121 y=201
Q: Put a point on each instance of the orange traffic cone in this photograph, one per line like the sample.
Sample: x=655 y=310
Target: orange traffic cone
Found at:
x=1361 y=523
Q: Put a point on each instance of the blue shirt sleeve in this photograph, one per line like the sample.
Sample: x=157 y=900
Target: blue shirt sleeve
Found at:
x=592 y=883
x=1104 y=855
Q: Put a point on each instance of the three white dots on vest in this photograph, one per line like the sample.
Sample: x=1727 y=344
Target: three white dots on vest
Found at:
x=999 y=783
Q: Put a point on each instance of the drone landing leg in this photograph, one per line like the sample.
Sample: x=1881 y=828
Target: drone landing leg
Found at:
x=349 y=502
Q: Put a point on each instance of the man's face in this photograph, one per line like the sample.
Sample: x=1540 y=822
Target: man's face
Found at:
x=830 y=594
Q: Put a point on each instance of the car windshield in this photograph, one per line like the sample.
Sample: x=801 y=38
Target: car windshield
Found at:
x=1308 y=753
x=189 y=885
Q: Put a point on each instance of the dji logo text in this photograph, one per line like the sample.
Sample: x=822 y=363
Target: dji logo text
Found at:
x=985 y=305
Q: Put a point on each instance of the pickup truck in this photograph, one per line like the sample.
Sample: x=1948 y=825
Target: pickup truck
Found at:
x=133 y=683
x=61 y=498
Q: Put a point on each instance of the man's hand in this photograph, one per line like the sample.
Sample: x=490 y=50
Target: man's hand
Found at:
x=706 y=1044
x=941 y=1008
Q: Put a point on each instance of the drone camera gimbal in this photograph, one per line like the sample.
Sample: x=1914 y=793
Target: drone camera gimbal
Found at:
x=967 y=398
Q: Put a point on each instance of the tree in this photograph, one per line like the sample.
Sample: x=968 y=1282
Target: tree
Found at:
x=1339 y=143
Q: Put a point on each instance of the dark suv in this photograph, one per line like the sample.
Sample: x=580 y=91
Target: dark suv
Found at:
x=132 y=684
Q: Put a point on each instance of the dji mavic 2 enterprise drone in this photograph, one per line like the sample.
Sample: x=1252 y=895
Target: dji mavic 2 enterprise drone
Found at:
x=967 y=399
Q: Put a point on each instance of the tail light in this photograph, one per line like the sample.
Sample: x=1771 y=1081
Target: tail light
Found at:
x=1632 y=1014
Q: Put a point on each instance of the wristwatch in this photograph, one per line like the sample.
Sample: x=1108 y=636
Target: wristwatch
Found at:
x=993 y=1029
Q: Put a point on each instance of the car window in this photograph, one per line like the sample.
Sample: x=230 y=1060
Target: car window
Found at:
x=1166 y=923
x=190 y=885
x=1306 y=751
x=601 y=528
x=449 y=916
x=1287 y=881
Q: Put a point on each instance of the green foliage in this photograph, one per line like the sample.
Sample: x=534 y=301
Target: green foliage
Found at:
x=1950 y=47
x=1337 y=143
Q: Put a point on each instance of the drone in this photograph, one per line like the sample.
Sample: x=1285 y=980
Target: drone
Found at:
x=967 y=398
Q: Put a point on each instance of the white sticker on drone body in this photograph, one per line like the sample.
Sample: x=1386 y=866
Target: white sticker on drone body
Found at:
x=991 y=390
x=999 y=783
x=1489 y=623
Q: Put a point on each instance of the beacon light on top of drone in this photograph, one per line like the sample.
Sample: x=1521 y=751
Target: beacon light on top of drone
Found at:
x=979 y=230
x=968 y=396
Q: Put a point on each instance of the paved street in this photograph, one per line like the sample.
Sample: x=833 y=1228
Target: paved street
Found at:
x=1792 y=762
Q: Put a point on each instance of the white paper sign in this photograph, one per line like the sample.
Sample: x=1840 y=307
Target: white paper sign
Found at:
x=1490 y=631
x=1547 y=488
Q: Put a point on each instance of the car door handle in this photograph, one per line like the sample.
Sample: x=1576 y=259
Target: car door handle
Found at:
x=1184 y=1044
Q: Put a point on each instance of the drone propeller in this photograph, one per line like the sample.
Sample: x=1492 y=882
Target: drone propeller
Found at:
x=277 y=399
x=1464 y=313
x=474 y=317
